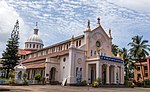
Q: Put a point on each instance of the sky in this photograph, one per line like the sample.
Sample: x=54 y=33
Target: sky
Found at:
x=58 y=20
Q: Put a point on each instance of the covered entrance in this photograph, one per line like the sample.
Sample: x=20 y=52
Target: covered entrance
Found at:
x=92 y=73
x=52 y=76
x=104 y=67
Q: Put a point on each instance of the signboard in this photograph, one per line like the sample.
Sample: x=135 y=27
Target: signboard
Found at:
x=111 y=59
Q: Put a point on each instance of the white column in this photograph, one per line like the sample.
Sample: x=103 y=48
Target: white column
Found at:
x=107 y=74
x=115 y=74
x=30 y=75
x=122 y=75
x=87 y=72
x=16 y=75
x=22 y=75
x=98 y=70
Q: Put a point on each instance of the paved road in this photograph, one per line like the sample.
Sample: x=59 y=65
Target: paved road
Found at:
x=57 y=88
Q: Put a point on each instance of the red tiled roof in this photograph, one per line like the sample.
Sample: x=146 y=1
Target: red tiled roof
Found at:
x=24 y=52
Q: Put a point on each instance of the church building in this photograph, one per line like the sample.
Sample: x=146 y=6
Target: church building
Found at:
x=85 y=57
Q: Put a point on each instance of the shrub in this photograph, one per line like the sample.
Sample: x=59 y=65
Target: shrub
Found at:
x=11 y=81
x=98 y=80
x=147 y=81
x=25 y=82
x=11 y=74
x=95 y=84
x=83 y=83
x=131 y=84
x=139 y=84
x=37 y=77
x=25 y=76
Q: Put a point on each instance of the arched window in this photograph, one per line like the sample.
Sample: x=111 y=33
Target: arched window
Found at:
x=64 y=59
x=94 y=52
x=33 y=45
x=67 y=46
x=79 y=42
x=76 y=71
x=30 y=45
x=76 y=43
x=37 y=46
x=91 y=52
x=27 y=45
x=80 y=69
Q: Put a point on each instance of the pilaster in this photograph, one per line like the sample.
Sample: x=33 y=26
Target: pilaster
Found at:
x=107 y=74
x=115 y=74
x=98 y=70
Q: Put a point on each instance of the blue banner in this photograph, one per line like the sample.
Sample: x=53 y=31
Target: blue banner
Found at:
x=111 y=59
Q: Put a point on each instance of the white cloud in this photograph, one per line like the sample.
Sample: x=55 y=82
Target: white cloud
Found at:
x=59 y=19
x=8 y=17
x=140 y=5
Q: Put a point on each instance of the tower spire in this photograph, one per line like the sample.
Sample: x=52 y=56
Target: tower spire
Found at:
x=36 y=28
x=88 y=27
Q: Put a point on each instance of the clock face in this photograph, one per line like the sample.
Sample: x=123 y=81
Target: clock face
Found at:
x=98 y=44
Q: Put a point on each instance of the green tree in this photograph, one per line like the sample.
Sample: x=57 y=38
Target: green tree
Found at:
x=10 y=56
x=114 y=49
x=128 y=64
x=124 y=56
x=139 y=50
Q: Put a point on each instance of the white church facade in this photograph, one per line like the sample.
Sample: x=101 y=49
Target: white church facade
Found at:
x=85 y=57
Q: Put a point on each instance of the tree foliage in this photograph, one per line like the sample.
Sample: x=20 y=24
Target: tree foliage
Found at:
x=128 y=64
x=114 y=49
x=139 y=50
x=10 y=56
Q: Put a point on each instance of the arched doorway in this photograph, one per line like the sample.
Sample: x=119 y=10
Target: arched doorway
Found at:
x=92 y=73
x=52 y=75
x=104 y=66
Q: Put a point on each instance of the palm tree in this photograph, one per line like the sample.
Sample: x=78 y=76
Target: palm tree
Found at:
x=114 y=49
x=124 y=56
x=128 y=64
x=139 y=50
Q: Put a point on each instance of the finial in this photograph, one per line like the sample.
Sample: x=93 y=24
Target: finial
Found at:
x=36 y=24
x=88 y=24
x=72 y=39
x=98 y=19
x=88 y=27
x=17 y=22
x=109 y=33
x=36 y=28
x=72 y=42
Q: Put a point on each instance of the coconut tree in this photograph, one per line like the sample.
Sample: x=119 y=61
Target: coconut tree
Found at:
x=128 y=64
x=139 y=50
x=124 y=56
x=114 y=49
